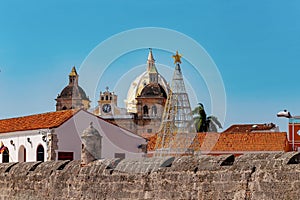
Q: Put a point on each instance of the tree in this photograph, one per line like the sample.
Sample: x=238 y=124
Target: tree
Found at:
x=204 y=123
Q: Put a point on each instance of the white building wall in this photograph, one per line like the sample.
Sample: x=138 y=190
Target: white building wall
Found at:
x=20 y=138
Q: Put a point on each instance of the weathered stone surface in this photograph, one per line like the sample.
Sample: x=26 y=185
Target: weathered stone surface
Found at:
x=143 y=165
x=253 y=176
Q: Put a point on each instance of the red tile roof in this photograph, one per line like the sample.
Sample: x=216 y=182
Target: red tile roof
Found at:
x=242 y=142
x=250 y=127
x=235 y=142
x=38 y=121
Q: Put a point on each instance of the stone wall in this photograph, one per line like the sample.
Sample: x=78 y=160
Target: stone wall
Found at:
x=252 y=176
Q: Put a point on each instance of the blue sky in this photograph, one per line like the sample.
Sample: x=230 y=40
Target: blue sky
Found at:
x=255 y=44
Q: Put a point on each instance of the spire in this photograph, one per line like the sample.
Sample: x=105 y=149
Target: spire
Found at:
x=73 y=72
x=153 y=75
x=73 y=77
x=151 y=63
x=150 y=55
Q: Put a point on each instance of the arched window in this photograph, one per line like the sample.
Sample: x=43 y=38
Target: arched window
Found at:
x=64 y=108
x=22 y=154
x=145 y=110
x=40 y=153
x=154 y=110
x=5 y=156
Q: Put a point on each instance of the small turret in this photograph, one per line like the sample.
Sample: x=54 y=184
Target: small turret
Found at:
x=73 y=77
x=91 y=145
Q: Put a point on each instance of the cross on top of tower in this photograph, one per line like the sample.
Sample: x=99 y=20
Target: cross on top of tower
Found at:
x=107 y=88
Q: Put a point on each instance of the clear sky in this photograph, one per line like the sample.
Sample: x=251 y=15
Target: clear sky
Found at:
x=255 y=45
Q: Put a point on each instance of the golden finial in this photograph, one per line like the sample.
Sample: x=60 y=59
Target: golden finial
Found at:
x=177 y=57
x=73 y=72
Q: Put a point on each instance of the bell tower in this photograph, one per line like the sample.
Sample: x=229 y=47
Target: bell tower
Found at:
x=107 y=103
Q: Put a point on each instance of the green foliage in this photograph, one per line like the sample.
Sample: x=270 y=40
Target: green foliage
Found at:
x=204 y=123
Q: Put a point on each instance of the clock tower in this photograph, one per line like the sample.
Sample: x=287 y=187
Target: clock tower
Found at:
x=107 y=103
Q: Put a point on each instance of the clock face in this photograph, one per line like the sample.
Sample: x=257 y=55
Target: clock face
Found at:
x=106 y=108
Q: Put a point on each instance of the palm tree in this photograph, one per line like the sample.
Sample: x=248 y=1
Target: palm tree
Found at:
x=204 y=123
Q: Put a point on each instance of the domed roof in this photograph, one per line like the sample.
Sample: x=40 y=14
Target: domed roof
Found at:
x=72 y=96
x=90 y=132
x=153 y=90
x=73 y=91
x=141 y=81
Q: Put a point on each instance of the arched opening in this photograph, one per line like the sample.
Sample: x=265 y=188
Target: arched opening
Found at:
x=22 y=154
x=64 y=108
x=145 y=110
x=5 y=156
x=154 y=110
x=40 y=153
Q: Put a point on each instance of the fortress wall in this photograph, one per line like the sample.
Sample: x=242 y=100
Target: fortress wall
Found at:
x=251 y=176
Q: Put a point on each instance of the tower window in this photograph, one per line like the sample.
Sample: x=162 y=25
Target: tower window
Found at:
x=154 y=110
x=102 y=98
x=106 y=97
x=145 y=110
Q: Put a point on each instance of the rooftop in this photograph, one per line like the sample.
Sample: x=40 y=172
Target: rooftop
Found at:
x=34 y=122
x=250 y=128
x=235 y=142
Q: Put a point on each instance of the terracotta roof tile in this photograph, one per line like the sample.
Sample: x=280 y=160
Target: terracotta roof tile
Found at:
x=38 y=121
x=250 y=127
x=236 y=142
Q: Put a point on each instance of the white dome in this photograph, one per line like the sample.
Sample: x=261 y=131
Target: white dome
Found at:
x=137 y=86
x=141 y=81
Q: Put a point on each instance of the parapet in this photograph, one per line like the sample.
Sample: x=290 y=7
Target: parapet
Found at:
x=250 y=176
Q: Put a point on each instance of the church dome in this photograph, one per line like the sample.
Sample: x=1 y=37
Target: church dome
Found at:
x=73 y=91
x=72 y=96
x=142 y=81
x=153 y=90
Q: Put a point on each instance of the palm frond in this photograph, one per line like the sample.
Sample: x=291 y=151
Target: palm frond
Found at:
x=215 y=120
